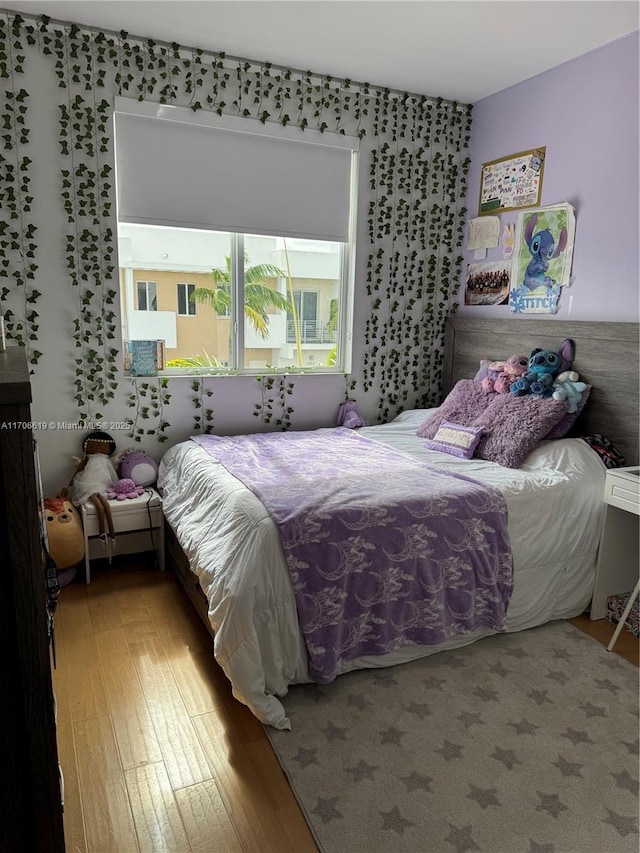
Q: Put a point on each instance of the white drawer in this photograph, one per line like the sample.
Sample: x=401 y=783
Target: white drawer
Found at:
x=127 y=515
x=622 y=490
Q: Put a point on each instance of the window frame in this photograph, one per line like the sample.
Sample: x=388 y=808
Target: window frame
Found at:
x=188 y=302
x=344 y=330
x=146 y=283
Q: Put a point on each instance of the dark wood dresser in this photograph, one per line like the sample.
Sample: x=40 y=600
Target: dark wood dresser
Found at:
x=30 y=800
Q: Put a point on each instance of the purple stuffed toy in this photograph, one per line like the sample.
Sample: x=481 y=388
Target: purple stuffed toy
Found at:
x=123 y=490
x=502 y=374
x=348 y=415
x=136 y=465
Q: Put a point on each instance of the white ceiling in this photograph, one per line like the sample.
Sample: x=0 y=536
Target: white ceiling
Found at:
x=458 y=49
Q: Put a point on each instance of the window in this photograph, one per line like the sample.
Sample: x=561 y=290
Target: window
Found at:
x=250 y=232
x=186 y=302
x=311 y=328
x=147 y=295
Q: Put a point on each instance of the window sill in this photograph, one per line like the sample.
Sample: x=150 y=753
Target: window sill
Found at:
x=186 y=372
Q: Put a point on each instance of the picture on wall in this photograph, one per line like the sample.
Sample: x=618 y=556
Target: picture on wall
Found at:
x=512 y=182
x=143 y=358
x=488 y=283
x=542 y=259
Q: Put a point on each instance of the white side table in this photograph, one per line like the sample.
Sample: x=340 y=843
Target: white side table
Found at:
x=617 y=568
x=139 y=526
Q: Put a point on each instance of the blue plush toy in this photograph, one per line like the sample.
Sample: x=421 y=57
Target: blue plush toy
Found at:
x=544 y=366
x=567 y=387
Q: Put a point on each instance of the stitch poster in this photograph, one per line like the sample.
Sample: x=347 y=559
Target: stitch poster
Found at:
x=542 y=258
x=512 y=183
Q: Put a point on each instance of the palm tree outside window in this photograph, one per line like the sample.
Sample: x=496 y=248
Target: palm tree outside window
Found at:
x=258 y=295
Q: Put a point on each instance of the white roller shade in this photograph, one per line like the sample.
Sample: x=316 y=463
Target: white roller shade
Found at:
x=198 y=170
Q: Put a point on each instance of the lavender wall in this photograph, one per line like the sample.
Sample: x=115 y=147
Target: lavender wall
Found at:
x=586 y=114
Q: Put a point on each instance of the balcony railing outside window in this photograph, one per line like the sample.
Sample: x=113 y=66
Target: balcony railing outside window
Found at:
x=311 y=332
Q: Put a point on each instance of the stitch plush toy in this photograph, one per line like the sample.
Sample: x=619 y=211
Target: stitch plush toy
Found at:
x=502 y=374
x=544 y=366
x=566 y=387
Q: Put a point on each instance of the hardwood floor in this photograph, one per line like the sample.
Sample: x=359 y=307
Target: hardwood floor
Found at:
x=627 y=646
x=156 y=753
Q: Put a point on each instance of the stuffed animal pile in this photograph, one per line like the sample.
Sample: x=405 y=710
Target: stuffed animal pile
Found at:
x=544 y=373
x=96 y=480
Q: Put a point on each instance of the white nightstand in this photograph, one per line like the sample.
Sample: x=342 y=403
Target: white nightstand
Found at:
x=139 y=526
x=617 y=569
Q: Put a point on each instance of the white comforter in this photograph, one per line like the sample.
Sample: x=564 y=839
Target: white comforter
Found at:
x=555 y=511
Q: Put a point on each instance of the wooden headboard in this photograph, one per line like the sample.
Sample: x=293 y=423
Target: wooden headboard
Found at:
x=607 y=357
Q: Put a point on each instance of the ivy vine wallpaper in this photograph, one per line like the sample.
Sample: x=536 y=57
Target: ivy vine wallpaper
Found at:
x=58 y=236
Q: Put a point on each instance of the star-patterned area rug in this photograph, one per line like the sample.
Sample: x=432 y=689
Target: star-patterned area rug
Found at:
x=519 y=743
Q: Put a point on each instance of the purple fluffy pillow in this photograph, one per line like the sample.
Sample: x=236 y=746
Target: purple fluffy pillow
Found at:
x=463 y=405
x=568 y=420
x=514 y=426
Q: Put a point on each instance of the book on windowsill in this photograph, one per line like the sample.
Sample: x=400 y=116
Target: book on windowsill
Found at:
x=143 y=358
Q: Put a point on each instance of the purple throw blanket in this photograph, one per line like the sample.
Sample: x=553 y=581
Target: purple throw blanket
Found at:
x=383 y=551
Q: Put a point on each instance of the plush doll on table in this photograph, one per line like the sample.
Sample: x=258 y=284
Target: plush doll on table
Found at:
x=93 y=476
x=544 y=366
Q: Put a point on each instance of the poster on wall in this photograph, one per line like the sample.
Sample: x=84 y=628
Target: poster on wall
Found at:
x=541 y=263
x=143 y=358
x=487 y=283
x=512 y=182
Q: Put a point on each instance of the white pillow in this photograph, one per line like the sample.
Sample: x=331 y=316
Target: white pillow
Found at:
x=413 y=416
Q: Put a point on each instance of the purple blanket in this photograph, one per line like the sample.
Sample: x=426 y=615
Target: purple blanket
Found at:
x=383 y=551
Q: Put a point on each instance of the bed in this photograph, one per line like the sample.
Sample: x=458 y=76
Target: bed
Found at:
x=229 y=555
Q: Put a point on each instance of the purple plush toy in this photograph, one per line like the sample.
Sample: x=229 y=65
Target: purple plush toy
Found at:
x=137 y=466
x=123 y=490
x=502 y=374
x=348 y=415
